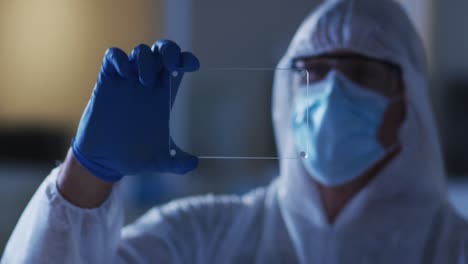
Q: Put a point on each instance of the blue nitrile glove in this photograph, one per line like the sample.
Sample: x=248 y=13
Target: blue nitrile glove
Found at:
x=125 y=126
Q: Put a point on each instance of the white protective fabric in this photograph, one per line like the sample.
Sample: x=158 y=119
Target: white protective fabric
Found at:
x=402 y=216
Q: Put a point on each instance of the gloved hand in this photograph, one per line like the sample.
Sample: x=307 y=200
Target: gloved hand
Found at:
x=125 y=126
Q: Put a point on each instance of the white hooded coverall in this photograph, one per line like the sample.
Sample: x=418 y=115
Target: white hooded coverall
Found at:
x=401 y=216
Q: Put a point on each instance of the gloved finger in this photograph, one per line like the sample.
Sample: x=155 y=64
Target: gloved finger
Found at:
x=181 y=162
x=144 y=63
x=170 y=53
x=116 y=62
x=189 y=62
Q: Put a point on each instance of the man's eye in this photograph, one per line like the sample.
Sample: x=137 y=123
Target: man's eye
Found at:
x=318 y=73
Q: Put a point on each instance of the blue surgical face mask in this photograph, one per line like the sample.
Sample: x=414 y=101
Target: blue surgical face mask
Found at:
x=337 y=121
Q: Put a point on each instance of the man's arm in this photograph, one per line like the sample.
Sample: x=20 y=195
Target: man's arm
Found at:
x=76 y=215
x=79 y=186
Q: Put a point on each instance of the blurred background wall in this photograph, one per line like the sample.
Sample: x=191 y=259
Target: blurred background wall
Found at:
x=51 y=50
x=450 y=81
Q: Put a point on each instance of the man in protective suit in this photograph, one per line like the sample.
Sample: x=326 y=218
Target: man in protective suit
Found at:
x=371 y=190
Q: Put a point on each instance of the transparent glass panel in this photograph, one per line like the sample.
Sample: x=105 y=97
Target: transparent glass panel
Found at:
x=225 y=113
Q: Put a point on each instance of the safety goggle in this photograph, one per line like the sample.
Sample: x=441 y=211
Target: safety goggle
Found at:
x=377 y=75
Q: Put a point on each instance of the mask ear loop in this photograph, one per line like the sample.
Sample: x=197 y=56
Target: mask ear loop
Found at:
x=394 y=100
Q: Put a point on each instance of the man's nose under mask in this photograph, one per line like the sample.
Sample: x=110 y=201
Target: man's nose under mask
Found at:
x=337 y=122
